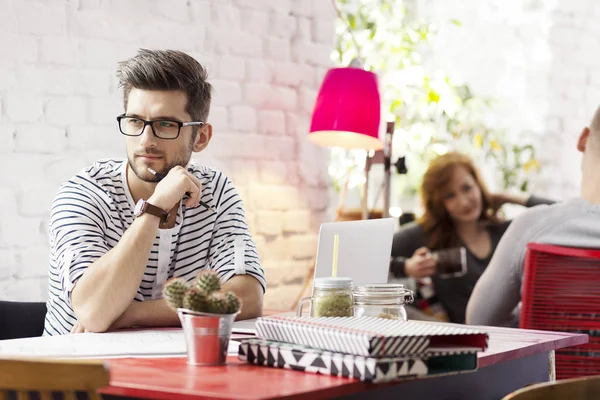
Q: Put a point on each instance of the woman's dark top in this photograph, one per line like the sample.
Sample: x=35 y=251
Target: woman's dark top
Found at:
x=453 y=293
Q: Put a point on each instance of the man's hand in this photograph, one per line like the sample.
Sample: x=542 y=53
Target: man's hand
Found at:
x=78 y=328
x=174 y=186
x=497 y=200
x=421 y=264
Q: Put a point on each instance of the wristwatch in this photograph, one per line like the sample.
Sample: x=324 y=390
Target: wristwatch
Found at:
x=143 y=206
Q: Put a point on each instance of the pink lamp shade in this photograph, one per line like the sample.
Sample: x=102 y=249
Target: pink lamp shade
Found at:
x=347 y=111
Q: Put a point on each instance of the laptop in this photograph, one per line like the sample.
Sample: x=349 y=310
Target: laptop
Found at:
x=364 y=250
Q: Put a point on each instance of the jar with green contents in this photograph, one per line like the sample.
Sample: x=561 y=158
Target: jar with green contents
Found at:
x=382 y=301
x=332 y=297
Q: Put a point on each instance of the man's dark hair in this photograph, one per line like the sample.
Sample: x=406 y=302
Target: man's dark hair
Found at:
x=167 y=70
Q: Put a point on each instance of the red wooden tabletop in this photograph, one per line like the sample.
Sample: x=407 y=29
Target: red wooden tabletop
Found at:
x=172 y=378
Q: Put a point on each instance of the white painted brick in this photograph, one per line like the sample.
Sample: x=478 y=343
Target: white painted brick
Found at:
x=282 y=148
x=169 y=35
x=246 y=45
x=296 y=126
x=323 y=31
x=59 y=81
x=63 y=168
x=255 y=22
x=319 y=54
x=225 y=15
x=282 y=297
x=296 y=221
x=104 y=110
x=302 y=247
x=35 y=200
x=201 y=12
x=277 y=49
x=174 y=10
x=30 y=165
x=9 y=18
x=280 y=6
x=303 y=29
x=260 y=95
x=258 y=71
x=59 y=50
x=98 y=53
x=8 y=264
x=575 y=6
x=18 y=231
x=282 y=25
x=105 y=25
x=42 y=18
x=226 y=93
x=7 y=78
x=7 y=138
x=272 y=197
x=23 y=107
x=302 y=7
x=269 y=222
x=245 y=145
x=40 y=138
x=307 y=99
x=244 y=173
x=271 y=122
x=563 y=36
x=33 y=262
x=288 y=98
x=81 y=137
x=26 y=51
x=65 y=111
x=89 y=4
x=288 y=73
x=243 y=119
x=231 y=68
x=33 y=289
x=218 y=117
x=273 y=172
x=324 y=10
x=274 y=273
x=300 y=49
x=318 y=199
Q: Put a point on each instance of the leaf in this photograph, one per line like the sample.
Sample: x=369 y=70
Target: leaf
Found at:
x=524 y=186
x=456 y=22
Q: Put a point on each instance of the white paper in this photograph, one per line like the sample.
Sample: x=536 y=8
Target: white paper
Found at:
x=121 y=344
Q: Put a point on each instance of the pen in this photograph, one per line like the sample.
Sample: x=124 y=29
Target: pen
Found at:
x=160 y=176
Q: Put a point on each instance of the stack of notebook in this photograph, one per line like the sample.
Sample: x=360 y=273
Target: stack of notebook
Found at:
x=367 y=348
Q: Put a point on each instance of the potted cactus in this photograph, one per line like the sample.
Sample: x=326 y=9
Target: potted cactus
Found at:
x=206 y=314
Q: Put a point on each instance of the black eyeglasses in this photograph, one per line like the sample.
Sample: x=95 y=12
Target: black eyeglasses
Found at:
x=162 y=128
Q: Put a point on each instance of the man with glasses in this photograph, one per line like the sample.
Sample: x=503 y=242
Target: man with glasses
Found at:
x=121 y=228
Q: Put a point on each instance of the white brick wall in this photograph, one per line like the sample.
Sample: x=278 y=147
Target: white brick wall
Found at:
x=59 y=99
x=540 y=60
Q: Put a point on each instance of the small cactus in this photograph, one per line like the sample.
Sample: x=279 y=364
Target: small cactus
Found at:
x=233 y=303
x=195 y=300
x=217 y=303
x=208 y=281
x=174 y=291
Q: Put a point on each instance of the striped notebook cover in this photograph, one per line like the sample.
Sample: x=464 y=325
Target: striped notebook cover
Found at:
x=368 y=336
x=367 y=369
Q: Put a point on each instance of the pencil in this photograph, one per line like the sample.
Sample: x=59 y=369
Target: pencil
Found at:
x=160 y=176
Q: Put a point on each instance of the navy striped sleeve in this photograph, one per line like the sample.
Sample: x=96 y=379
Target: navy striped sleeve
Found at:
x=231 y=233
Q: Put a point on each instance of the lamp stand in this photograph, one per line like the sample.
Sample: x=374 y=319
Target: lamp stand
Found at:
x=380 y=157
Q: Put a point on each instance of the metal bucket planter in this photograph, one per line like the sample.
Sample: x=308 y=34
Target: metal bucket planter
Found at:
x=206 y=336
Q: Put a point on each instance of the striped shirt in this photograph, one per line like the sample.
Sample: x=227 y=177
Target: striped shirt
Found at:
x=92 y=211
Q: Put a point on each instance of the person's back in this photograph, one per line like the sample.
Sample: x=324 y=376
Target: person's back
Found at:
x=575 y=223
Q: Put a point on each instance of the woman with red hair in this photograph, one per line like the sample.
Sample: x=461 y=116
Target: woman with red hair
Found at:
x=459 y=212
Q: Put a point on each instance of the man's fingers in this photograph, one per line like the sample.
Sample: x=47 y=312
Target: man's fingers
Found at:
x=77 y=328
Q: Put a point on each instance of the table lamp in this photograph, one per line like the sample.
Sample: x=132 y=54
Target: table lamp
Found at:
x=347 y=111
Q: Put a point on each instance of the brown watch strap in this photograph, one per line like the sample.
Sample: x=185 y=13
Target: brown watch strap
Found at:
x=153 y=210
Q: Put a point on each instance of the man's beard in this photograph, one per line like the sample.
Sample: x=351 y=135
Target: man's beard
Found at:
x=182 y=159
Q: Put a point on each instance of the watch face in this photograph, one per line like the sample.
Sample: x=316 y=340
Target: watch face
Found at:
x=137 y=211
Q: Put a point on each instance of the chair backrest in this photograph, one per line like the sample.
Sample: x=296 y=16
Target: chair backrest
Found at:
x=45 y=377
x=561 y=292
x=21 y=319
x=587 y=388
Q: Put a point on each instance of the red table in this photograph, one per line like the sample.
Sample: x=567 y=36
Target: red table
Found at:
x=514 y=358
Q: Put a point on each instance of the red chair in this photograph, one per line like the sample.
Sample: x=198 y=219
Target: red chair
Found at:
x=561 y=292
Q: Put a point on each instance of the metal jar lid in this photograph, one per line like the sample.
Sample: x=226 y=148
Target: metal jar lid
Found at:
x=382 y=292
x=333 y=283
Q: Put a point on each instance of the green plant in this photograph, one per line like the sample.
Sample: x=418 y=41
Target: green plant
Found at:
x=432 y=113
x=204 y=295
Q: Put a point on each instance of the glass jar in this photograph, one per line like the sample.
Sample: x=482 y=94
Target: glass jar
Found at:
x=332 y=297
x=382 y=301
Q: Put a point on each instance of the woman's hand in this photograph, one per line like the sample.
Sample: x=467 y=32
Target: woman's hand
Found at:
x=420 y=265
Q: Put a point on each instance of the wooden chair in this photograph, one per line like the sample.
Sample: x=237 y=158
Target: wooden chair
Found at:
x=587 y=388
x=561 y=292
x=46 y=376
